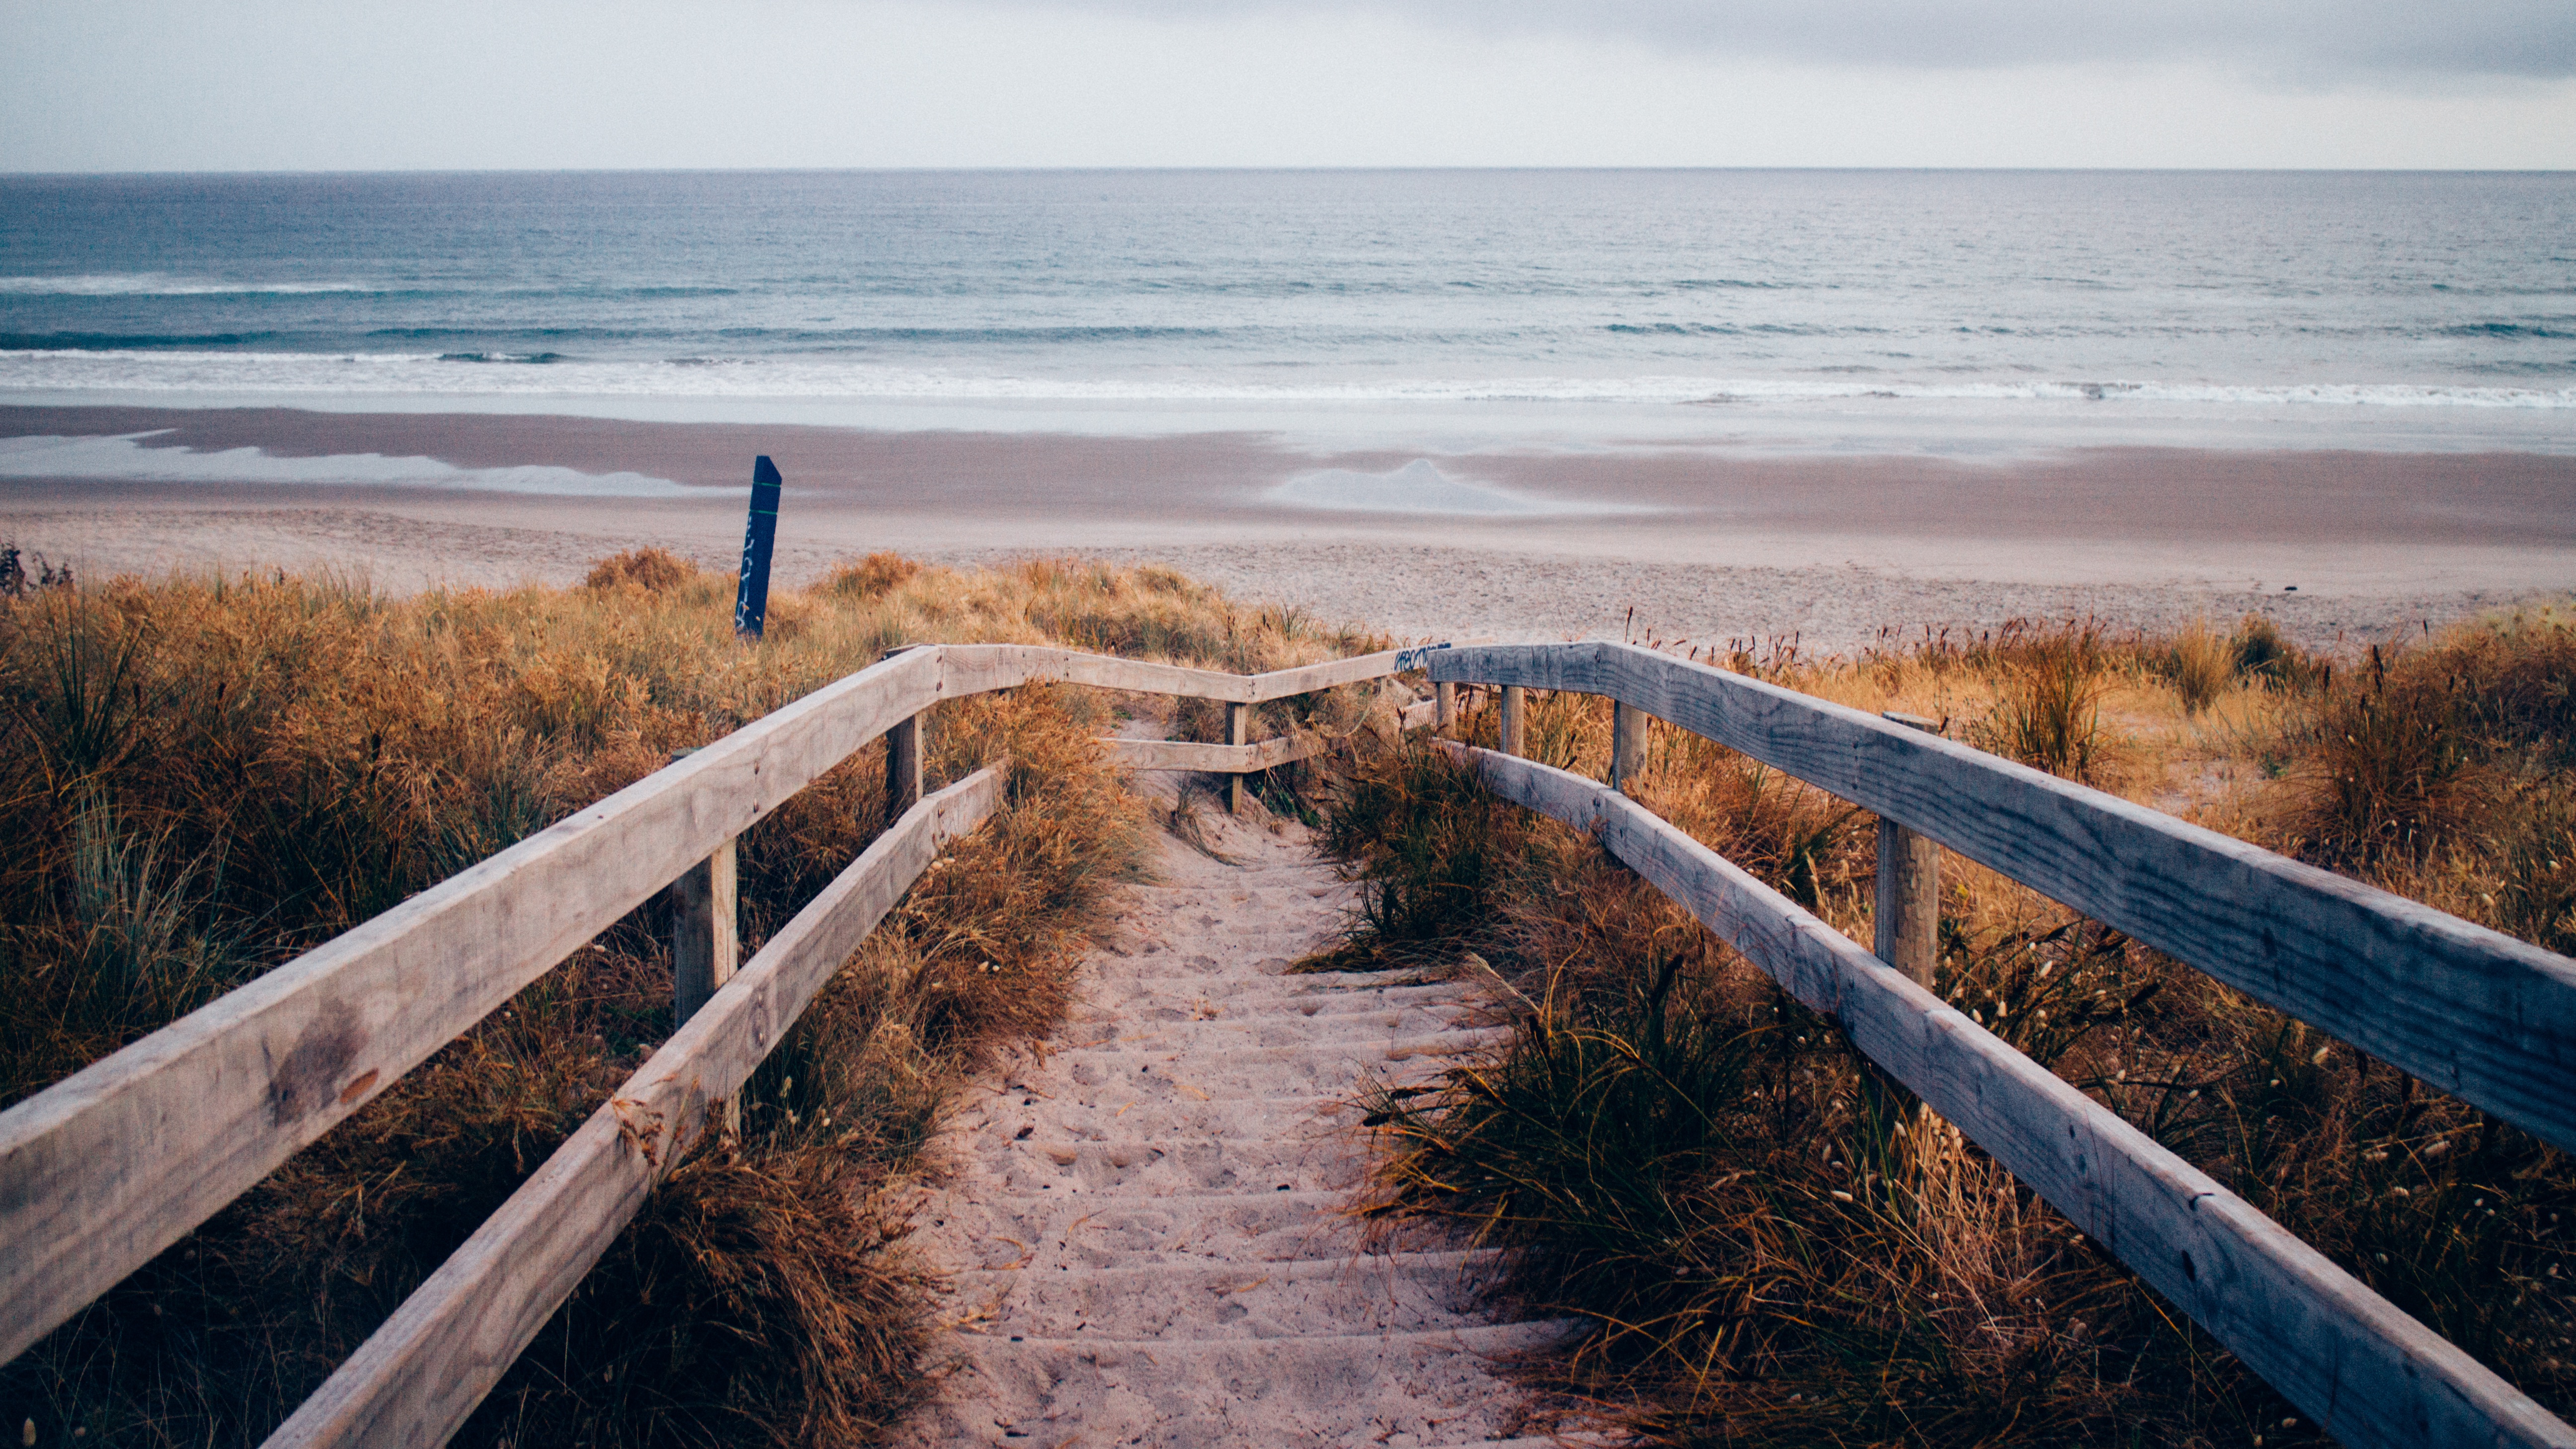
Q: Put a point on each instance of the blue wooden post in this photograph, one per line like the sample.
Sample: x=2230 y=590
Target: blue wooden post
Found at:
x=751 y=604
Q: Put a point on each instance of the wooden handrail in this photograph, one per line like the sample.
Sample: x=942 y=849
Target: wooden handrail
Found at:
x=109 y=1166
x=2473 y=1012
x=419 y=1376
x=2364 y=1371
x=113 y=1164
x=118 y=1161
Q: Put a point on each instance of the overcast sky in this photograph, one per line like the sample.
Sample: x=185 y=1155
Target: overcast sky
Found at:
x=366 y=84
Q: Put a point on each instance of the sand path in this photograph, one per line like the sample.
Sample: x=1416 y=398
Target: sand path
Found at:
x=1145 y=1221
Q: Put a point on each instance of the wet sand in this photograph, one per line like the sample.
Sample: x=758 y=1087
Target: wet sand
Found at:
x=1830 y=548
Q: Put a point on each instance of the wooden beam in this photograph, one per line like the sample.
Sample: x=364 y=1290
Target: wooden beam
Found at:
x=1907 y=920
x=1207 y=759
x=2473 y=1012
x=1035 y=663
x=2361 y=1370
x=106 y=1168
x=1238 y=721
x=705 y=922
x=903 y=751
x=1515 y=726
x=421 y=1374
x=1627 y=746
x=1306 y=679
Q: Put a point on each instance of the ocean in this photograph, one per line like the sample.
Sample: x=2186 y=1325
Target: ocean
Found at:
x=1959 y=310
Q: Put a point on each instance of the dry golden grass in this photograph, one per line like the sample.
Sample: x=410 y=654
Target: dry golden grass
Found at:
x=1782 y=1247
x=203 y=776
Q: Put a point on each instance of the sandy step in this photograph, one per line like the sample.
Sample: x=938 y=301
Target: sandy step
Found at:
x=1210 y=1026
x=1340 y=991
x=1316 y=1068
x=1064 y=1231
x=1309 y=1391
x=1404 y=1292
x=1087 y=1118
x=1146 y=1168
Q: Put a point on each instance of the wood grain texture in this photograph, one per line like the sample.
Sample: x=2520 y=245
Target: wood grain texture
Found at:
x=1032 y=663
x=903 y=755
x=1212 y=759
x=116 y=1162
x=2349 y=1359
x=706 y=939
x=1306 y=679
x=421 y=1374
x=1515 y=721
x=2471 y=1011
x=1907 y=918
x=1238 y=726
x=1627 y=745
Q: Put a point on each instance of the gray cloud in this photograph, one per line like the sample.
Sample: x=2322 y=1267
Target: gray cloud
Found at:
x=2314 y=41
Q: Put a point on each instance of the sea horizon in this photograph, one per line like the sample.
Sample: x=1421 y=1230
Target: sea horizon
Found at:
x=1961 y=313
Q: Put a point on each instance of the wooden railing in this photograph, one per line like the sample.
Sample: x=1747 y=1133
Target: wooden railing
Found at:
x=2476 y=1013
x=105 y=1169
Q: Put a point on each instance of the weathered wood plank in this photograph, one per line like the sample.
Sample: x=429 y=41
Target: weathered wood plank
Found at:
x=2473 y=1012
x=421 y=1374
x=1907 y=921
x=1515 y=721
x=1238 y=725
x=1208 y=759
x=1627 y=745
x=974 y=668
x=1039 y=662
x=706 y=923
x=2349 y=1359
x=903 y=751
x=1306 y=679
x=116 y=1162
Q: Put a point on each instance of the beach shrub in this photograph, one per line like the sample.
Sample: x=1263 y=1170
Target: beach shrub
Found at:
x=2048 y=706
x=2198 y=664
x=650 y=569
x=873 y=577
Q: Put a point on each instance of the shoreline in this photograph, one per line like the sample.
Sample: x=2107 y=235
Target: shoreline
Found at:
x=1716 y=545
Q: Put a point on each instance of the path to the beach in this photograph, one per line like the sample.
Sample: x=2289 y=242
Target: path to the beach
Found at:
x=1147 y=1223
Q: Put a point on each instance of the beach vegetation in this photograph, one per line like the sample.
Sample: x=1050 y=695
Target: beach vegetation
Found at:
x=203 y=776
x=1777 y=1244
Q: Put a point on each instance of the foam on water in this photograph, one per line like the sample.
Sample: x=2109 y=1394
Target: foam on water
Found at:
x=125 y=458
x=551 y=374
x=155 y=284
x=1420 y=487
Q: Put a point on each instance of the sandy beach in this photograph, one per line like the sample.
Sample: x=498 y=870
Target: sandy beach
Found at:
x=1664 y=539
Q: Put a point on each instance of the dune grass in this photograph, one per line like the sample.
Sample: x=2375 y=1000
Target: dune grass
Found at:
x=1781 y=1246
x=202 y=777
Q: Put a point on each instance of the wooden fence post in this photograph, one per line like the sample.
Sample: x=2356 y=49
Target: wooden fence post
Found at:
x=1445 y=712
x=1238 y=731
x=1627 y=745
x=704 y=944
x=1514 y=731
x=903 y=768
x=1909 y=890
